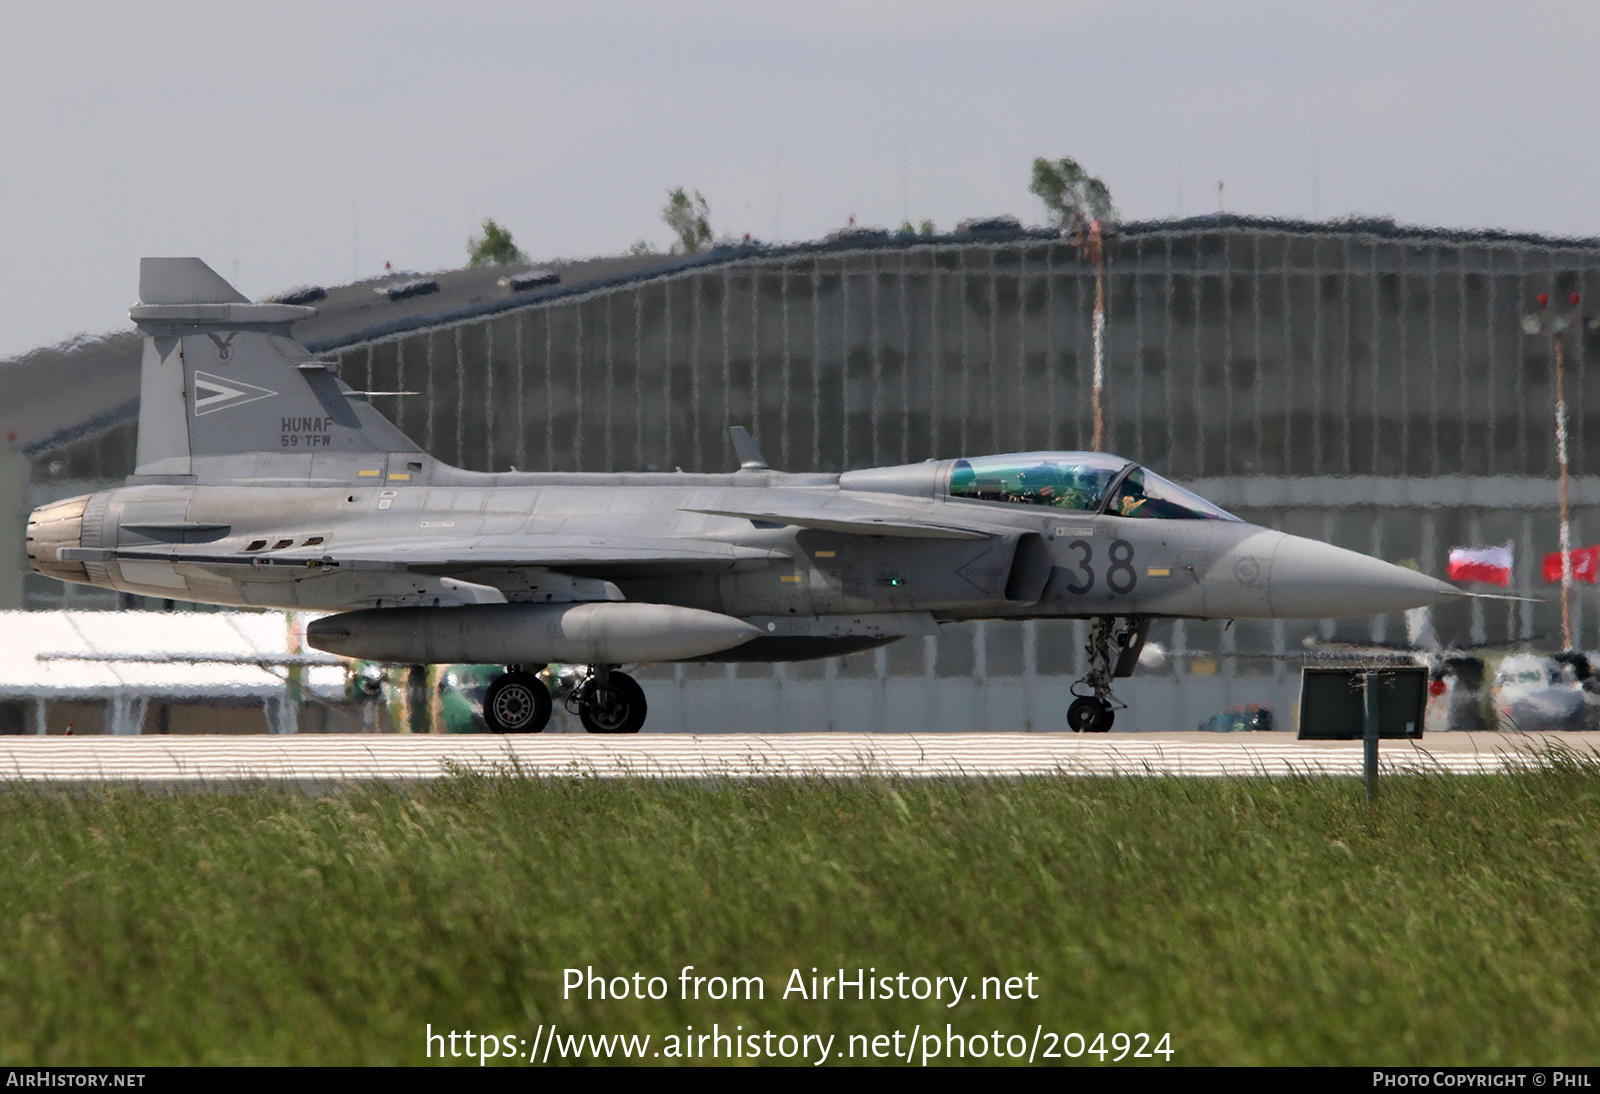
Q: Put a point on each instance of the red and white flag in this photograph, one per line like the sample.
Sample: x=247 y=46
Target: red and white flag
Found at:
x=1488 y=564
x=1585 y=564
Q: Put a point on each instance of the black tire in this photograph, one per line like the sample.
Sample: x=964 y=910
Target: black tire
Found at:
x=1089 y=715
x=618 y=707
x=517 y=702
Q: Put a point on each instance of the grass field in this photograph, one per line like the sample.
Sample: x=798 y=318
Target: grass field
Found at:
x=1255 y=921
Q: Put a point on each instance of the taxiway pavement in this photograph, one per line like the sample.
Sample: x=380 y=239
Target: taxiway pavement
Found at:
x=319 y=759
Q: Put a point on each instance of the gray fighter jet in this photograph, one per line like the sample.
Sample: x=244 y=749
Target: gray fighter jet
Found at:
x=262 y=479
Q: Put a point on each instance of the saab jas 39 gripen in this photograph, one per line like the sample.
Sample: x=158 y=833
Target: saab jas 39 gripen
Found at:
x=262 y=479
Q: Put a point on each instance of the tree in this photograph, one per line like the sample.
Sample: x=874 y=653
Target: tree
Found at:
x=1070 y=193
x=494 y=247
x=689 y=219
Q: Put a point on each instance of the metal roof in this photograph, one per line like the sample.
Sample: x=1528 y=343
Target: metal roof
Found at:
x=57 y=395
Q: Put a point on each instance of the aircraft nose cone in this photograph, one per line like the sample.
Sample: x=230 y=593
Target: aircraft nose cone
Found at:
x=1312 y=580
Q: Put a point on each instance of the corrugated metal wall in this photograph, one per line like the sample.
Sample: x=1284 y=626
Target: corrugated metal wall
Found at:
x=1229 y=353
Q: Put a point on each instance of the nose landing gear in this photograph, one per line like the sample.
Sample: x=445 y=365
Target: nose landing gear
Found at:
x=1113 y=648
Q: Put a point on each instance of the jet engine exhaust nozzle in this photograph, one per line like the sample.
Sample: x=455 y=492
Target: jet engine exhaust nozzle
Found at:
x=51 y=527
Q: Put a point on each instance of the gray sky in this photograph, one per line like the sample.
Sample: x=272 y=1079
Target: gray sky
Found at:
x=295 y=143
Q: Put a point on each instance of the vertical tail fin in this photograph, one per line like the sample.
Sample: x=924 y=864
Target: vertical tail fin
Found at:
x=226 y=395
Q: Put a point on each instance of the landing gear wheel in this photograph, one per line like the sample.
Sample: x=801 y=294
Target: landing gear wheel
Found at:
x=617 y=706
x=1090 y=715
x=517 y=702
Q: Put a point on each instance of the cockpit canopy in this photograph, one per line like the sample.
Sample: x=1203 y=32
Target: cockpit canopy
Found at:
x=1090 y=482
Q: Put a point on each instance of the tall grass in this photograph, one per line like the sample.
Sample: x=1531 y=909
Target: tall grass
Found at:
x=1257 y=921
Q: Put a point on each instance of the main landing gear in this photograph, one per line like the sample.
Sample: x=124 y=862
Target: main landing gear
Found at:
x=1113 y=648
x=517 y=702
x=606 y=701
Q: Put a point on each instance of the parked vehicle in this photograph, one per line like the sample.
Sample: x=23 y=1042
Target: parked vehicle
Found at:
x=1537 y=693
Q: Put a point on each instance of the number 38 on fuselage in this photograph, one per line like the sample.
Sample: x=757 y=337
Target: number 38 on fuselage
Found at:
x=1091 y=534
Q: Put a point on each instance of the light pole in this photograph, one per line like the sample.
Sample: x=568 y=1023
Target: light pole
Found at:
x=1544 y=322
x=1097 y=255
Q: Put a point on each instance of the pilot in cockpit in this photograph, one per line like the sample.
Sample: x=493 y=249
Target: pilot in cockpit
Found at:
x=1130 y=499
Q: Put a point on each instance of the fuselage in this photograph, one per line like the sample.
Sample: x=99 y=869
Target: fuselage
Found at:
x=948 y=546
